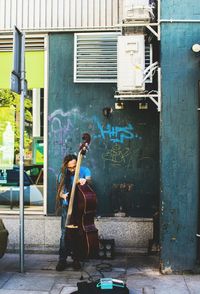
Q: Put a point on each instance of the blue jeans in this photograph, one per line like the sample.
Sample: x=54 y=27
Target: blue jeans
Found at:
x=65 y=248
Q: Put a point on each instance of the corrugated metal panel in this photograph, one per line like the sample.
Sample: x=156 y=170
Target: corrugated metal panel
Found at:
x=59 y=14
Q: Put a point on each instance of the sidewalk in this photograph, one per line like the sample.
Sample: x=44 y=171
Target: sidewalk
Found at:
x=140 y=273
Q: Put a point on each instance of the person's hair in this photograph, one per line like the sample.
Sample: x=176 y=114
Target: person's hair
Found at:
x=65 y=175
x=67 y=159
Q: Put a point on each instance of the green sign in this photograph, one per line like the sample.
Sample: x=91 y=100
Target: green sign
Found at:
x=7 y=139
x=38 y=150
x=34 y=69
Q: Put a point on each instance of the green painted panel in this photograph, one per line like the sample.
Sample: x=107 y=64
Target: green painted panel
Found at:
x=123 y=154
x=34 y=69
x=5 y=68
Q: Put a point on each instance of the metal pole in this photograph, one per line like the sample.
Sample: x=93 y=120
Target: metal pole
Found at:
x=21 y=202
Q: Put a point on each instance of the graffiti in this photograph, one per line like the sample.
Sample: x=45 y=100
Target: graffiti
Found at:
x=64 y=129
x=60 y=127
x=62 y=113
x=116 y=134
x=116 y=155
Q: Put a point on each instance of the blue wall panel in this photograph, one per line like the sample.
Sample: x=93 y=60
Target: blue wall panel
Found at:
x=124 y=150
x=179 y=142
x=180 y=9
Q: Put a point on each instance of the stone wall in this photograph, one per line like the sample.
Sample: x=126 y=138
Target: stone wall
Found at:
x=42 y=233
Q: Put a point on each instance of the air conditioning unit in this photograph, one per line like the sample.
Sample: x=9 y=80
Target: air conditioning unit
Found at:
x=130 y=63
x=137 y=10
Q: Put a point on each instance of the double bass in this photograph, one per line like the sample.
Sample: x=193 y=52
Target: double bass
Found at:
x=81 y=212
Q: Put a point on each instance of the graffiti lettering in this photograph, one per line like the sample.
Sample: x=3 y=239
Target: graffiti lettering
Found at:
x=116 y=134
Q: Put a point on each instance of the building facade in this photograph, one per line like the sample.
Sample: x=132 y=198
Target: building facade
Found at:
x=143 y=153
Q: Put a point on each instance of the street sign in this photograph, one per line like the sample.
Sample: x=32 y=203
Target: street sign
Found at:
x=15 y=85
x=17 y=60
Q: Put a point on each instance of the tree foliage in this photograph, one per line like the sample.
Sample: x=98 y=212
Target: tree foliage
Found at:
x=10 y=99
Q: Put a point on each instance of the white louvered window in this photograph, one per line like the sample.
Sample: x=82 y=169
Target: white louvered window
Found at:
x=148 y=60
x=95 y=58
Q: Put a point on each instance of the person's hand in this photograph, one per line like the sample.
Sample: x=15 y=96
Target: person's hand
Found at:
x=82 y=181
x=64 y=195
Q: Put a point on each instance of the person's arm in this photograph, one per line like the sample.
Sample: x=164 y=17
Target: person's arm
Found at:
x=82 y=181
x=63 y=194
x=86 y=177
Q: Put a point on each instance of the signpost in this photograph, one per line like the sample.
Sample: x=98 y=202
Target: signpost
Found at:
x=18 y=85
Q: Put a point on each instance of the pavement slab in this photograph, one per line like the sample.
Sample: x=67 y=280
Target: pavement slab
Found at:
x=68 y=290
x=4 y=277
x=29 y=282
x=193 y=283
x=2 y=291
x=63 y=288
x=140 y=273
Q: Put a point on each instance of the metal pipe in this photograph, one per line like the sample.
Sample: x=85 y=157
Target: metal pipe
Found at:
x=159 y=88
x=149 y=73
x=45 y=167
x=36 y=112
x=158 y=18
x=179 y=21
x=135 y=96
x=21 y=202
x=150 y=66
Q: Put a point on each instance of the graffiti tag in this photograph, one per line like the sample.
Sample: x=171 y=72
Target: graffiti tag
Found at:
x=116 y=134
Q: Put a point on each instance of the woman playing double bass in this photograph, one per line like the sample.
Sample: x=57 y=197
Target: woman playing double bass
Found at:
x=65 y=181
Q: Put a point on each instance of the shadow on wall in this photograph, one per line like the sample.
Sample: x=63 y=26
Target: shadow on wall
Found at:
x=121 y=198
x=3 y=239
x=126 y=200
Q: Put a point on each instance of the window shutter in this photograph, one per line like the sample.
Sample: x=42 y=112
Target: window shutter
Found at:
x=95 y=57
x=148 y=60
x=32 y=43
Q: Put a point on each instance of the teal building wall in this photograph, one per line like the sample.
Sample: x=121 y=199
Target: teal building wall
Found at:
x=124 y=150
x=179 y=135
